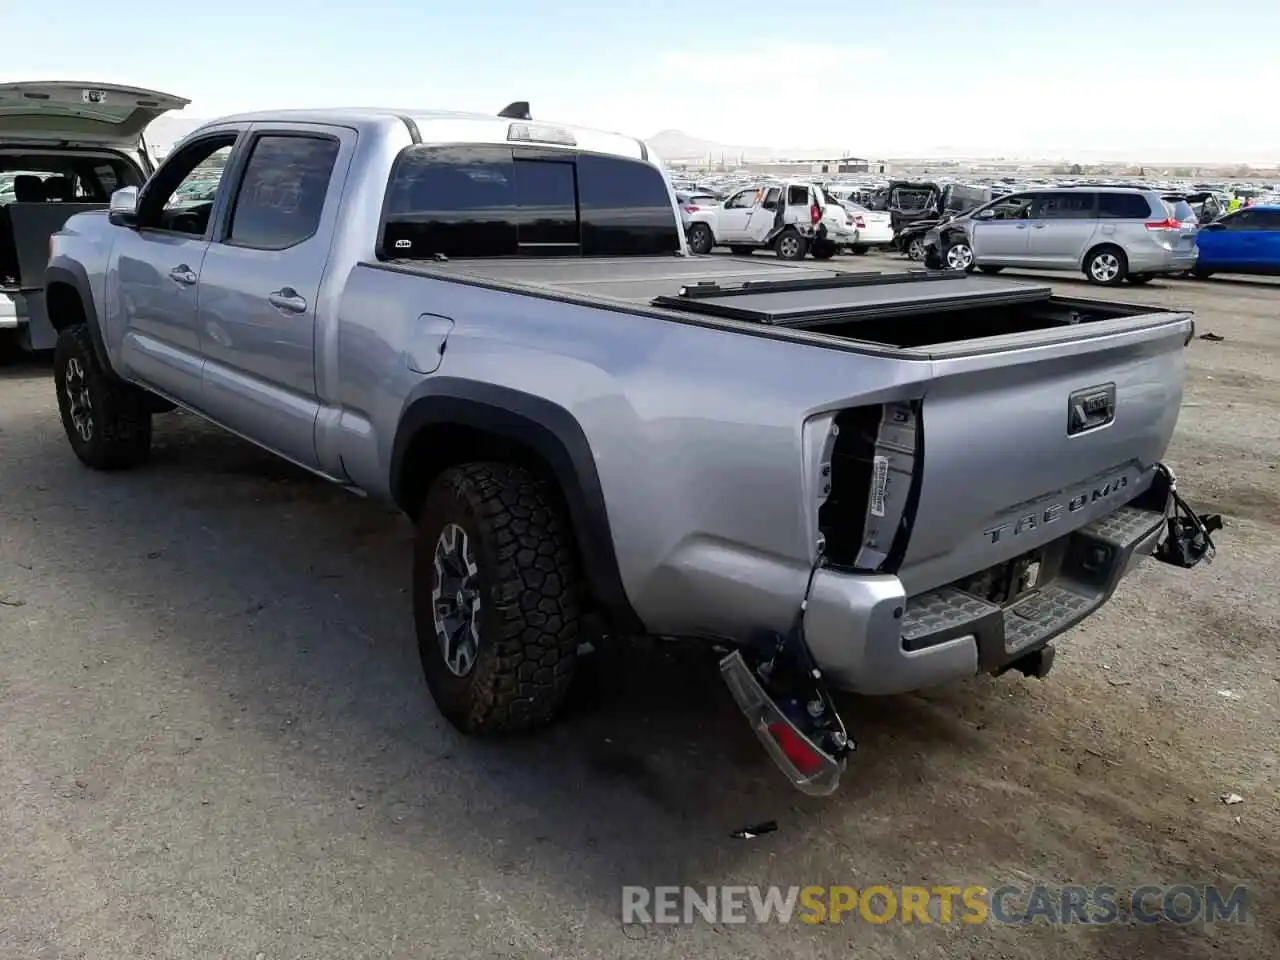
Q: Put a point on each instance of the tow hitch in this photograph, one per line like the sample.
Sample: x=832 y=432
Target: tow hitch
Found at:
x=781 y=691
x=1189 y=538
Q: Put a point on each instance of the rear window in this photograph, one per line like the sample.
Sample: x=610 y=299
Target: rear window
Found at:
x=966 y=198
x=1179 y=209
x=481 y=201
x=55 y=178
x=1123 y=206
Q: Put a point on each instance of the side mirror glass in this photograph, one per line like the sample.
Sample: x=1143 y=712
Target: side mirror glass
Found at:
x=123 y=208
x=984 y=215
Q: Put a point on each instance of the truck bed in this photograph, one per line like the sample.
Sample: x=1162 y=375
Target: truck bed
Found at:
x=929 y=312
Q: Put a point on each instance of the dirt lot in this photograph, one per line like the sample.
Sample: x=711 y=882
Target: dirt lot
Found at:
x=215 y=742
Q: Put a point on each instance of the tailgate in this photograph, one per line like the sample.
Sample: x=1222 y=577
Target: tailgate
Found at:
x=1025 y=445
x=98 y=113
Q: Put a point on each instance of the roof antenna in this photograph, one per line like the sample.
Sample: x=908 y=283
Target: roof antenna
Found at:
x=519 y=110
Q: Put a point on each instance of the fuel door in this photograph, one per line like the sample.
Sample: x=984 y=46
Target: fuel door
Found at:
x=427 y=342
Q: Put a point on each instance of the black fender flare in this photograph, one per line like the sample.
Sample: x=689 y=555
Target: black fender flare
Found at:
x=555 y=435
x=73 y=275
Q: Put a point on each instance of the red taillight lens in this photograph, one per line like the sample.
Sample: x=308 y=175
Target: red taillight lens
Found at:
x=802 y=756
x=859 y=223
x=1169 y=224
x=690 y=209
x=815 y=214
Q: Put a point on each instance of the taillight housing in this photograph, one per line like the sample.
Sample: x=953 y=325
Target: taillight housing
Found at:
x=691 y=209
x=815 y=214
x=865 y=466
x=1167 y=224
x=860 y=223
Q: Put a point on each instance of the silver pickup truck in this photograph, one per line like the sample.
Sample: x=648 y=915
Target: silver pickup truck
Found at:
x=857 y=481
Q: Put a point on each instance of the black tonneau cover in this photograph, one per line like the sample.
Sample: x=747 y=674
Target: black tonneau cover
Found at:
x=811 y=302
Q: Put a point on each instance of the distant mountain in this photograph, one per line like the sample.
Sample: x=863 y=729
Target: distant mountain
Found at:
x=678 y=145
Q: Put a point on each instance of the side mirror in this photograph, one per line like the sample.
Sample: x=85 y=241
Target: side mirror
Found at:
x=984 y=215
x=123 y=208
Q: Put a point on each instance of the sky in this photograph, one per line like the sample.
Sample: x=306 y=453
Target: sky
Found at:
x=1171 y=81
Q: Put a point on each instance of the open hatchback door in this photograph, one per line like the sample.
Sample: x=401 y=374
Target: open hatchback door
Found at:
x=71 y=112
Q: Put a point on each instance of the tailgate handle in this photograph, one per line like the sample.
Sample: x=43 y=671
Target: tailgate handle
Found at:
x=1091 y=408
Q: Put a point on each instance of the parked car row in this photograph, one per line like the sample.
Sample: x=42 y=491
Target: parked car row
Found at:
x=1113 y=234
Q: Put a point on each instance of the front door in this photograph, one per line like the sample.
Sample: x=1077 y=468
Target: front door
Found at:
x=1062 y=224
x=1002 y=236
x=732 y=217
x=260 y=286
x=152 y=316
x=764 y=217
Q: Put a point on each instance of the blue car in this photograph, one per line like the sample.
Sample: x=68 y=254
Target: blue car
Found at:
x=1247 y=241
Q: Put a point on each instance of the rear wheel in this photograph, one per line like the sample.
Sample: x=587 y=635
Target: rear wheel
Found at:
x=1106 y=266
x=701 y=239
x=823 y=250
x=915 y=248
x=742 y=251
x=790 y=246
x=496 y=598
x=107 y=422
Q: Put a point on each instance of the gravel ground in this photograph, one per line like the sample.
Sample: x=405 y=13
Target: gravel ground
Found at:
x=215 y=740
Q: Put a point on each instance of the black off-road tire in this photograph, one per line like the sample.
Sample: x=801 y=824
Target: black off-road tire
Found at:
x=119 y=415
x=530 y=598
x=823 y=250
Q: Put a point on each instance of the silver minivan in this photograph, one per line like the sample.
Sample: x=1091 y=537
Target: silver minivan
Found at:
x=1112 y=234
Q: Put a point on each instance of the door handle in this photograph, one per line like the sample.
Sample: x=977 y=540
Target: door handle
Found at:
x=287 y=299
x=1022 y=226
x=183 y=274
x=1037 y=226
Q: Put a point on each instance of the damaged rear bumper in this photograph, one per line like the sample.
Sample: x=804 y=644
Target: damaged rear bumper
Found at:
x=870 y=637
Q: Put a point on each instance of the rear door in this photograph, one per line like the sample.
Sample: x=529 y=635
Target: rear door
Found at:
x=260 y=284
x=1062 y=224
x=105 y=114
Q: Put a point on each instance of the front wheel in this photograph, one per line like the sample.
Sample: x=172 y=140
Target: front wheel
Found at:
x=701 y=239
x=790 y=246
x=107 y=422
x=959 y=256
x=1106 y=267
x=496 y=598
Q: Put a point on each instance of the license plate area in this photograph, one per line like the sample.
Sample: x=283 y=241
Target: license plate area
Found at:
x=1007 y=583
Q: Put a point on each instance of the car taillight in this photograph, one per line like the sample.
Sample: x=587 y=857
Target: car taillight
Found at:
x=690 y=209
x=815 y=214
x=859 y=223
x=1168 y=224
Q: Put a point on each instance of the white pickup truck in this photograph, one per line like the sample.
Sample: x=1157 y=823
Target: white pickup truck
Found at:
x=756 y=218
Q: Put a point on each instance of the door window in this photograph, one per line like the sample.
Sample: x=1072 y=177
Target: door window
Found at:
x=180 y=197
x=1244 y=220
x=1065 y=205
x=1266 y=219
x=742 y=200
x=797 y=196
x=281 y=195
x=770 y=201
x=1017 y=207
x=1123 y=206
